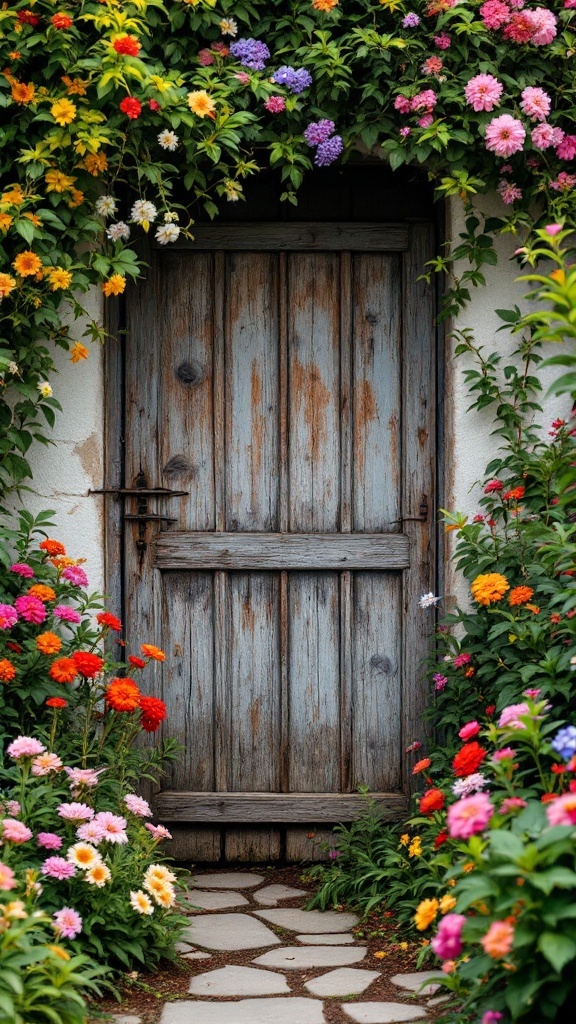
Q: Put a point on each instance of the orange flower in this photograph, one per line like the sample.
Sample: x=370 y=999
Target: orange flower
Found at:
x=149 y=651
x=41 y=591
x=78 y=352
x=433 y=800
x=533 y=608
x=15 y=196
x=123 y=695
x=201 y=103
x=95 y=163
x=115 y=285
x=7 y=671
x=489 y=587
x=498 y=939
x=324 y=5
x=421 y=766
x=519 y=595
x=7 y=284
x=514 y=495
x=27 y=263
x=76 y=198
x=63 y=670
x=48 y=643
x=75 y=86
x=109 y=620
x=52 y=547
x=87 y=664
x=22 y=93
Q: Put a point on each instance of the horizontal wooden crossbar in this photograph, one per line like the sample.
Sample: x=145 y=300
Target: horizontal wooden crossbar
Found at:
x=297 y=237
x=268 y=551
x=254 y=808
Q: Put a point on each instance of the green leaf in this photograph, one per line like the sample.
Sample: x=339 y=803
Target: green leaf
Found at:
x=558 y=949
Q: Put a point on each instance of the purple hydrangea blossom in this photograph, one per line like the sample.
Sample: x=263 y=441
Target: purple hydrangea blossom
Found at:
x=295 y=79
x=564 y=742
x=251 y=53
x=411 y=20
x=328 y=151
x=318 y=132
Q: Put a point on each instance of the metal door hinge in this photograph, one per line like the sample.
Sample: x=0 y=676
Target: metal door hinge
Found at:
x=423 y=513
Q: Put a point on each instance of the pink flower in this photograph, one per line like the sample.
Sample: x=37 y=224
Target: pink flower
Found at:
x=46 y=763
x=470 y=815
x=544 y=25
x=7 y=878
x=405 y=132
x=114 y=827
x=447 y=943
x=67 y=614
x=569 y=4
x=533 y=693
x=25 y=746
x=84 y=776
x=75 y=575
x=536 y=103
x=505 y=135
x=275 y=104
x=506 y=754
x=242 y=77
x=136 y=805
x=425 y=100
x=498 y=939
x=512 y=803
x=567 y=148
x=491 y=1017
x=563 y=810
x=75 y=812
x=205 y=58
x=402 y=103
x=91 y=832
x=520 y=28
x=432 y=66
x=8 y=616
x=21 y=569
x=494 y=14
x=57 y=867
x=509 y=717
x=158 y=831
x=30 y=608
x=13 y=808
x=443 y=41
x=49 y=840
x=544 y=136
x=483 y=92
x=426 y=120
x=67 y=923
x=440 y=682
x=15 y=831
x=509 y=192
x=564 y=182
x=469 y=730
x=462 y=659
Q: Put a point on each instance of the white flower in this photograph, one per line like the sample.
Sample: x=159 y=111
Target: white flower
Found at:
x=83 y=855
x=118 y=230
x=170 y=216
x=98 y=875
x=106 y=206
x=232 y=191
x=143 y=212
x=167 y=233
x=228 y=27
x=141 y=903
x=13 y=369
x=168 y=140
x=463 y=787
x=428 y=600
x=44 y=388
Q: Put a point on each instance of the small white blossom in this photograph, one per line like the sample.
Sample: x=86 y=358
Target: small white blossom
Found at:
x=472 y=783
x=13 y=369
x=170 y=216
x=228 y=27
x=44 y=388
x=167 y=233
x=232 y=191
x=118 y=230
x=168 y=140
x=106 y=206
x=143 y=212
x=428 y=600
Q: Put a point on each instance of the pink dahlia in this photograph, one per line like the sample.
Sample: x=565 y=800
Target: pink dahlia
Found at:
x=21 y=569
x=543 y=25
x=14 y=831
x=494 y=14
x=536 y=103
x=469 y=730
x=8 y=616
x=544 y=136
x=67 y=614
x=67 y=923
x=75 y=812
x=25 y=746
x=402 y=103
x=510 y=716
x=30 y=609
x=75 y=575
x=136 y=805
x=505 y=135
x=447 y=943
x=113 y=826
x=563 y=810
x=275 y=104
x=567 y=148
x=91 y=832
x=7 y=878
x=483 y=92
x=49 y=840
x=57 y=867
x=469 y=815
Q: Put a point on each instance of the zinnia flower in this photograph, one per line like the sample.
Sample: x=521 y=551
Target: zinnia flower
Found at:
x=149 y=651
x=115 y=285
x=421 y=766
x=510 y=716
x=123 y=695
x=49 y=840
x=127 y=45
x=25 y=746
x=136 y=805
x=563 y=810
x=113 y=826
x=30 y=609
x=489 y=587
x=87 y=663
x=498 y=939
x=21 y=569
x=483 y=92
x=168 y=140
x=469 y=816
x=8 y=616
x=433 y=800
x=75 y=575
x=61 y=20
x=505 y=135
x=7 y=878
x=469 y=784
x=131 y=107
x=447 y=943
x=468 y=759
x=63 y=670
x=46 y=763
x=535 y=103
x=84 y=776
x=63 y=111
x=91 y=832
x=158 y=831
x=52 y=547
x=469 y=730
x=75 y=812
x=426 y=913
x=42 y=592
x=48 y=643
x=7 y=671
x=57 y=867
x=153 y=712
x=201 y=103
x=519 y=595
x=14 y=831
x=67 y=923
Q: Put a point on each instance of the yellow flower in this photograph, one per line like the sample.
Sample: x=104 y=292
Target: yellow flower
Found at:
x=447 y=903
x=75 y=86
x=115 y=285
x=201 y=103
x=76 y=198
x=59 y=951
x=5 y=221
x=489 y=587
x=379 y=954
x=78 y=352
x=63 y=111
x=22 y=93
x=405 y=839
x=56 y=181
x=415 y=848
x=324 y=5
x=7 y=284
x=59 y=278
x=468 y=867
x=95 y=163
x=14 y=197
x=44 y=388
x=27 y=263
x=402 y=945
x=16 y=910
x=426 y=913
x=33 y=218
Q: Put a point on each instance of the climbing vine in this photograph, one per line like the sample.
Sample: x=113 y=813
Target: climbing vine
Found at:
x=121 y=118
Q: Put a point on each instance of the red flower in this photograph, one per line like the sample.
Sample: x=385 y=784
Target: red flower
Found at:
x=61 y=20
x=123 y=695
x=492 y=486
x=14 y=647
x=433 y=800
x=421 y=766
x=490 y=710
x=558 y=769
x=27 y=18
x=468 y=759
x=154 y=105
x=515 y=494
x=441 y=838
x=87 y=664
x=131 y=107
x=555 y=619
x=52 y=547
x=128 y=45
x=548 y=798
x=153 y=712
x=137 y=662
x=107 y=619
x=478 y=519
x=56 y=702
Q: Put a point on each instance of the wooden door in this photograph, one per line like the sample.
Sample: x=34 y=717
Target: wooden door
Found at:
x=283 y=376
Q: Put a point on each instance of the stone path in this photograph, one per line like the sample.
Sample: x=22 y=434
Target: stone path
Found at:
x=283 y=941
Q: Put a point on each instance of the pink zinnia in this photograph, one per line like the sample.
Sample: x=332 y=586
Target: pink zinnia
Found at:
x=567 y=148
x=563 y=810
x=67 y=923
x=405 y=132
x=544 y=136
x=91 y=832
x=520 y=28
x=7 y=878
x=46 y=763
x=491 y=1017
x=14 y=831
x=57 y=867
x=402 y=103
x=447 y=943
x=25 y=746
x=75 y=575
x=67 y=614
x=494 y=485
x=242 y=77
x=543 y=25
x=49 y=840
x=505 y=135
x=564 y=182
x=84 y=776
x=275 y=104
x=509 y=717
x=443 y=41
x=483 y=92
x=158 y=831
x=426 y=120
x=494 y=14
x=536 y=103
x=469 y=816
x=75 y=812
x=512 y=803
x=137 y=805
x=13 y=807
x=469 y=730
x=432 y=66
x=30 y=609
x=21 y=569
x=8 y=616
x=113 y=826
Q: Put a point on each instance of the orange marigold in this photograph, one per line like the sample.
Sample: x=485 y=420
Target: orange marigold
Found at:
x=123 y=695
x=7 y=671
x=63 y=670
x=489 y=587
x=41 y=591
x=324 y=5
x=433 y=800
x=87 y=663
x=52 y=547
x=149 y=651
x=421 y=766
x=519 y=595
x=48 y=643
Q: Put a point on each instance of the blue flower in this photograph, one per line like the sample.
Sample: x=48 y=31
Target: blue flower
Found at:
x=296 y=80
x=328 y=151
x=564 y=742
x=251 y=53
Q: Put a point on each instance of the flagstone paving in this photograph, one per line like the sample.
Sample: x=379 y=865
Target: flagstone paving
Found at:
x=276 y=991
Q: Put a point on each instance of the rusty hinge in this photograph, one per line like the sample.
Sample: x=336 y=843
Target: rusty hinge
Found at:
x=142 y=516
x=423 y=513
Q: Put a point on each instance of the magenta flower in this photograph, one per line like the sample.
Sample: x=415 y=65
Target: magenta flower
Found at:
x=8 y=616
x=21 y=569
x=533 y=693
x=552 y=230
x=447 y=943
x=462 y=659
x=440 y=682
x=505 y=135
x=25 y=746
x=491 y=1017
x=536 y=103
x=469 y=730
x=75 y=575
x=494 y=14
x=425 y=100
x=426 y=120
x=483 y=92
x=14 y=831
x=136 y=805
x=67 y=923
x=509 y=718
x=470 y=815
x=405 y=132
x=67 y=614
x=442 y=41
x=30 y=609
x=512 y=803
x=506 y=754
x=57 y=867
x=563 y=810
x=49 y=840
x=508 y=192
x=75 y=812
x=275 y=104
x=402 y=103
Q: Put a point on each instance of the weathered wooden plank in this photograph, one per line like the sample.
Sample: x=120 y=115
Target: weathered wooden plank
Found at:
x=377 y=733
x=273 y=807
x=252 y=845
x=314 y=680
x=376 y=415
x=260 y=551
x=251 y=396
x=314 y=399
x=199 y=844
x=114 y=355
x=303 y=236
x=310 y=844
